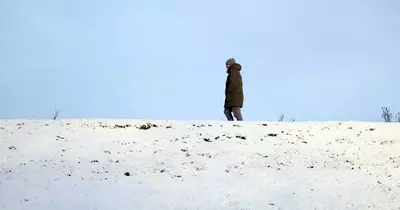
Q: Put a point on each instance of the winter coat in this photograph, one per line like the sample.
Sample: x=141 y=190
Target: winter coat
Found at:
x=234 y=87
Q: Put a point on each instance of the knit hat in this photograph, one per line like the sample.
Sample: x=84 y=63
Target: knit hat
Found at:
x=230 y=61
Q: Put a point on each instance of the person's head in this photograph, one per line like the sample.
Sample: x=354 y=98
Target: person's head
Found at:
x=229 y=62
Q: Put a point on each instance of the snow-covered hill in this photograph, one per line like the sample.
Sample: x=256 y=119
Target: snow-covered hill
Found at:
x=135 y=164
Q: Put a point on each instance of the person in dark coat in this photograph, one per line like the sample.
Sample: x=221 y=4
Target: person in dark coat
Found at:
x=233 y=91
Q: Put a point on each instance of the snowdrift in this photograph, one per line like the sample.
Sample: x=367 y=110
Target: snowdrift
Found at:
x=137 y=164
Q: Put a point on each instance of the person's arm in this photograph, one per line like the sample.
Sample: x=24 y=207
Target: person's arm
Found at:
x=233 y=81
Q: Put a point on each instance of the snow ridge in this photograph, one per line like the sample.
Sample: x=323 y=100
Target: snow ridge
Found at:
x=138 y=164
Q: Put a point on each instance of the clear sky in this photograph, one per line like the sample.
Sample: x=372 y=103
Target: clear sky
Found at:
x=155 y=59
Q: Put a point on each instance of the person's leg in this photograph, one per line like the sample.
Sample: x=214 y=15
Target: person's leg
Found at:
x=237 y=113
x=228 y=114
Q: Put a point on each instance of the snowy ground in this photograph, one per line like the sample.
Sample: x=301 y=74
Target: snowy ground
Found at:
x=129 y=164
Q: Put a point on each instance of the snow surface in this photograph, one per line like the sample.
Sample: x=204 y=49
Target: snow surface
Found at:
x=137 y=164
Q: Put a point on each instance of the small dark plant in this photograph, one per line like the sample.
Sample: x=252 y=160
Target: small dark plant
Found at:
x=386 y=114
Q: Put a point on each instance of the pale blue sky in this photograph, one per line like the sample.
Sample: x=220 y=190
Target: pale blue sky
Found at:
x=157 y=59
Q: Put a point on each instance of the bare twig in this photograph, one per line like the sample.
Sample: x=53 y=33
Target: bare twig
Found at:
x=281 y=117
x=56 y=113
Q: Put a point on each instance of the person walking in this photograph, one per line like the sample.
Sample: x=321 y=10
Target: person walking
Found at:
x=233 y=91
